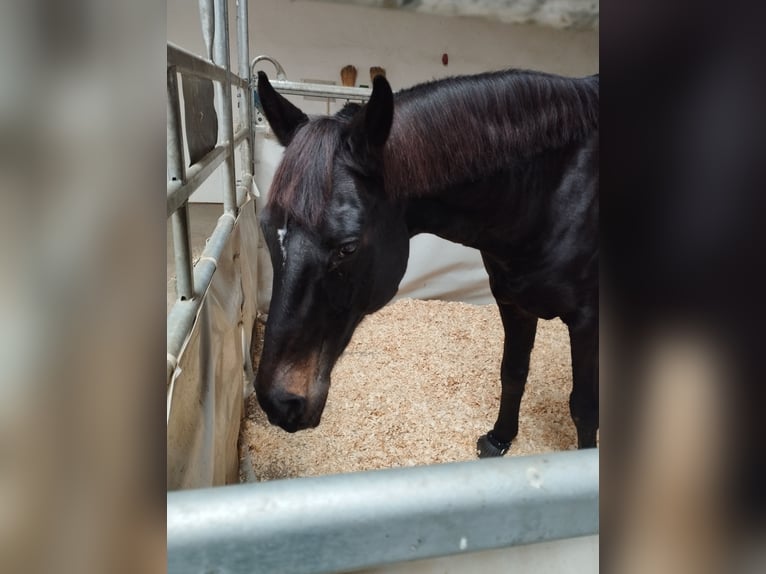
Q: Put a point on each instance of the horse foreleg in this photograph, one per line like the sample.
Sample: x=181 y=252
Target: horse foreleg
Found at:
x=583 y=402
x=520 y=329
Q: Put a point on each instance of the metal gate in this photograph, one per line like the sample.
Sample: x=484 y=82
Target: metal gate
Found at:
x=209 y=326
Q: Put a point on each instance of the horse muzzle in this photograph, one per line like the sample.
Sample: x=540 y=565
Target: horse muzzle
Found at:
x=293 y=397
x=289 y=411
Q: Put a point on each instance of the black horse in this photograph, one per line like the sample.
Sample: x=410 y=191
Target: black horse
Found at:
x=504 y=162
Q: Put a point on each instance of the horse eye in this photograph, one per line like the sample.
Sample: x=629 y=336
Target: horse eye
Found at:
x=347 y=249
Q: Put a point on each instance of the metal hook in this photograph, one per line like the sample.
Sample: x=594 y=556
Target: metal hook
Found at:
x=280 y=70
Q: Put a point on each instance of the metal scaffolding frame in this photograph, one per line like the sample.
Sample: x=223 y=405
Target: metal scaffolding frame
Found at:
x=192 y=282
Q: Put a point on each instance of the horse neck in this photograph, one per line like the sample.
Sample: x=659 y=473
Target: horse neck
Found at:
x=455 y=152
x=461 y=129
x=504 y=210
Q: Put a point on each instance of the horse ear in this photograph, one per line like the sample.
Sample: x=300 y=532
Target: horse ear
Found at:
x=379 y=113
x=283 y=117
x=371 y=127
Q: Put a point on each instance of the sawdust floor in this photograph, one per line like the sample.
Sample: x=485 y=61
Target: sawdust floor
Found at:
x=418 y=384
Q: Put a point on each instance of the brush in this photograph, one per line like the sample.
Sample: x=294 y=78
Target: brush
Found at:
x=377 y=71
x=348 y=75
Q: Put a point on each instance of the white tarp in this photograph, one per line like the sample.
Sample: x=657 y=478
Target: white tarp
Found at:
x=206 y=393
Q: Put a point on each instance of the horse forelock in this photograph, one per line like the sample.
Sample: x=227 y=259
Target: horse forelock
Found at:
x=468 y=127
x=302 y=183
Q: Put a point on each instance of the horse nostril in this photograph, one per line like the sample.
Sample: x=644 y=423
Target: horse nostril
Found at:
x=291 y=406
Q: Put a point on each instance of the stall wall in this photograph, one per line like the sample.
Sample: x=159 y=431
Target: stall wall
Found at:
x=214 y=370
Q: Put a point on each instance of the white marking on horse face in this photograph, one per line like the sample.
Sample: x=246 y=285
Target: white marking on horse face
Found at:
x=281 y=234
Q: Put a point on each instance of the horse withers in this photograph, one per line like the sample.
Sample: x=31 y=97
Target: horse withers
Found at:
x=504 y=162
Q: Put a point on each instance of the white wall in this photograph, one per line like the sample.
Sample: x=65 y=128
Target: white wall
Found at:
x=315 y=40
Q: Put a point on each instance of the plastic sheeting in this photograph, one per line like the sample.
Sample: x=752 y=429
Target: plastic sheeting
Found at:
x=205 y=396
x=438 y=269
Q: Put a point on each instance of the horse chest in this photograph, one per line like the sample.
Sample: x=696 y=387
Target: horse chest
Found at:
x=546 y=291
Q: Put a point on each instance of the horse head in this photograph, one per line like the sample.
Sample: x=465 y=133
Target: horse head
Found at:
x=338 y=246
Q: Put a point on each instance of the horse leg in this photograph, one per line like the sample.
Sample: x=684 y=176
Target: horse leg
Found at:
x=520 y=329
x=583 y=402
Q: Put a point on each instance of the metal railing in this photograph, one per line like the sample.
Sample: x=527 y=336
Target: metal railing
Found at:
x=192 y=282
x=287 y=87
x=359 y=520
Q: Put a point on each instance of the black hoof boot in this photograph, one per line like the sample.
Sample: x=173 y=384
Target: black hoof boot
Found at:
x=488 y=446
x=587 y=441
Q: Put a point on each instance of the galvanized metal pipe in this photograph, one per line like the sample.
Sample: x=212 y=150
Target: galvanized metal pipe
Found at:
x=176 y=167
x=359 y=520
x=179 y=192
x=223 y=97
x=196 y=175
x=207 y=21
x=183 y=313
x=191 y=65
x=321 y=90
x=182 y=249
x=245 y=97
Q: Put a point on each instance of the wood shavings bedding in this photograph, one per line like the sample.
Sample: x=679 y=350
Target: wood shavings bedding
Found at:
x=418 y=384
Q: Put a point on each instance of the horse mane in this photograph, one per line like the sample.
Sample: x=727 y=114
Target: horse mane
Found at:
x=302 y=183
x=462 y=128
x=444 y=132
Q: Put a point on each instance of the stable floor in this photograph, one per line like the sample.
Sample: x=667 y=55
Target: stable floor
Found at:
x=418 y=384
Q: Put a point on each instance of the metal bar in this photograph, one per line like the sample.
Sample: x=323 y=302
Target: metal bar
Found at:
x=192 y=65
x=243 y=41
x=178 y=193
x=223 y=97
x=176 y=167
x=207 y=21
x=321 y=90
x=360 y=520
x=244 y=187
x=196 y=175
x=245 y=98
x=183 y=313
x=182 y=249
